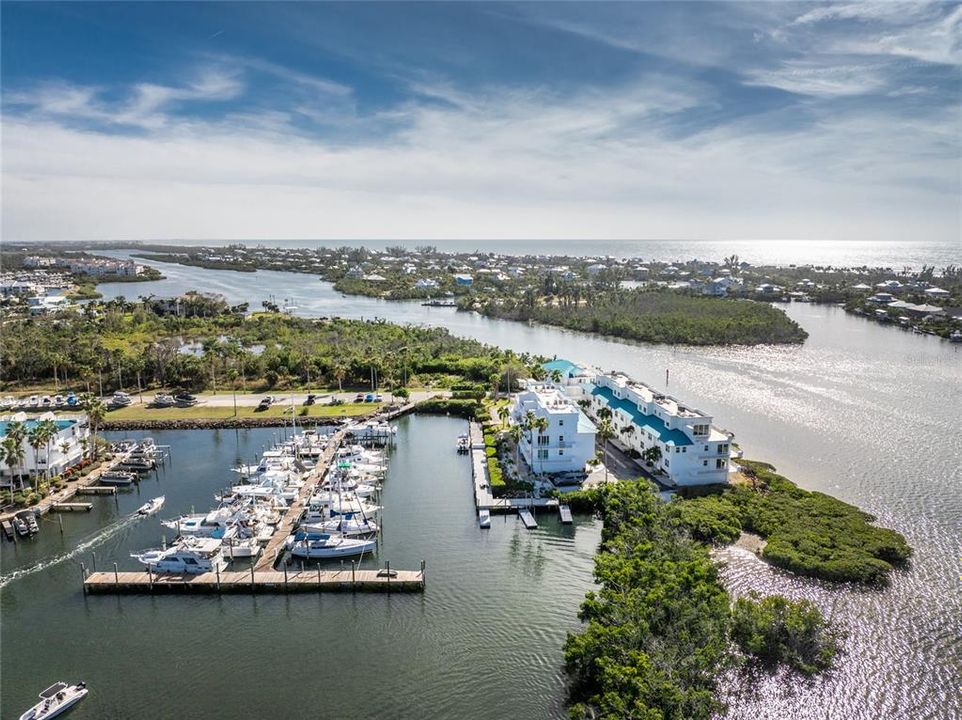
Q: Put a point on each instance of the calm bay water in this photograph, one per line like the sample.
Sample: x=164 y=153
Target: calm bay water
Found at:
x=483 y=641
x=767 y=252
x=861 y=411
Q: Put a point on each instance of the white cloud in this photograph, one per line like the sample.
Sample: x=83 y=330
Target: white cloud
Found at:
x=506 y=164
x=146 y=105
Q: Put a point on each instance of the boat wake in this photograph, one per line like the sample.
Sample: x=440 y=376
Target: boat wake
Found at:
x=104 y=534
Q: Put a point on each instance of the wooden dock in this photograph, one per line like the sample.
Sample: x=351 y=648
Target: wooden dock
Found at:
x=528 y=519
x=264 y=581
x=97 y=490
x=71 y=507
x=275 y=547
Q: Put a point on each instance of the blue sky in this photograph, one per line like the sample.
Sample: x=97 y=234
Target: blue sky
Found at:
x=490 y=120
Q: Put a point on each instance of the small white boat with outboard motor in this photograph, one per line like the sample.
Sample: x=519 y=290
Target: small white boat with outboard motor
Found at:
x=56 y=699
x=152 y=506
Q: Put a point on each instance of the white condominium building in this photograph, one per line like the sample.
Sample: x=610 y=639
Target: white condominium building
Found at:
x=568 y=441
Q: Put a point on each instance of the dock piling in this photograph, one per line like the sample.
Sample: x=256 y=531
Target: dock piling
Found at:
x=116 y=576
x=93 y=561
x=83 y=577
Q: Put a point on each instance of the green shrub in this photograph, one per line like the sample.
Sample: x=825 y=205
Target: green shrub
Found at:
x=778 y=630
x=808 y=533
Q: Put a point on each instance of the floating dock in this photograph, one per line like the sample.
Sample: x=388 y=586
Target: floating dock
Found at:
x=528 y=519
x=269 y=581
x=565 y=513
x=71 y=507
x=97 y=490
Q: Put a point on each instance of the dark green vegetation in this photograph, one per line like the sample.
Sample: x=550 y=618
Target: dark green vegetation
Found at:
x=661 y=316
x=808 y=533
x=119 y=344
x=777 y=630
x=658 y=633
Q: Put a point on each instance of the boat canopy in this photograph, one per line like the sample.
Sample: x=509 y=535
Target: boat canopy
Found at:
x=53 y=690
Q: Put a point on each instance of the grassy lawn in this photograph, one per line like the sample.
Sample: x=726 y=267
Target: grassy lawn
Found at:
x=202 y=412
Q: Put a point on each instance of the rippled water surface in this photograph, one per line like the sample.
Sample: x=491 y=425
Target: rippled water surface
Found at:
x=867 y=413
x=483 y=641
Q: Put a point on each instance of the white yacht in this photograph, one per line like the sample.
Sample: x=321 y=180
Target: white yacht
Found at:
x=325 y=545
x=484 y=519
x=56 y=699
x=191 y=556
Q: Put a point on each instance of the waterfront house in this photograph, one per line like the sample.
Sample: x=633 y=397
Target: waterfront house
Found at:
x=568 y=441
x=464 y=280
x=65 y=449
x=691 y=450
x=426 y=284
x=937 y=292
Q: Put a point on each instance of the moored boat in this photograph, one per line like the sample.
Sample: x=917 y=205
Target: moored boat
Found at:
x=191 y=556
x=325 y=545
x=484 y=519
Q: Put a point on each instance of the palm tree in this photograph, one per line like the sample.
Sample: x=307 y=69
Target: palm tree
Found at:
x=515 y=432
x=556 y=376
x=340 y=372
x=541 y=424
x=96 y=411
x=49 y=432
x=503 y=413
x=605 y=432
x=13 y=448
x=232 y=378
x=36 y=438
x=64 y=448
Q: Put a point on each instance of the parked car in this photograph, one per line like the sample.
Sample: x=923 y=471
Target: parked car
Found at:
x=185 y=399
x=265 y=403
x=311 y=399
x=379 y=398
x=369 y=397
x=359 y=397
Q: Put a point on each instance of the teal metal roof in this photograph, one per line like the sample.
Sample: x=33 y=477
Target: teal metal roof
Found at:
x=648 y=422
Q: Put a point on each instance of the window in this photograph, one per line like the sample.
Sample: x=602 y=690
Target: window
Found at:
x=722 y=448
x=543 y=439
x=706 y=448
x=190 y=561
x=561 y=422
x=542 y=454
x=561 y=452
x=684 y=449
x=704 y=463
x=719 y=463
x=677 y=450
x=667 y=462
x=561 y=438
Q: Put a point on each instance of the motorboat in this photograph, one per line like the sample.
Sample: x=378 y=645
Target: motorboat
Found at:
x=137 y=463
x=32 y=526
x=326 y=545
x=464 y=444
x=59 y=401
x=246 y=548
x=117 y=478
x=190 y=555
x=120 y=399
x=56 y=699
x=20 y=526
x=163 y=400
x=185 y=399
x=484 y=519
x=149 y=508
